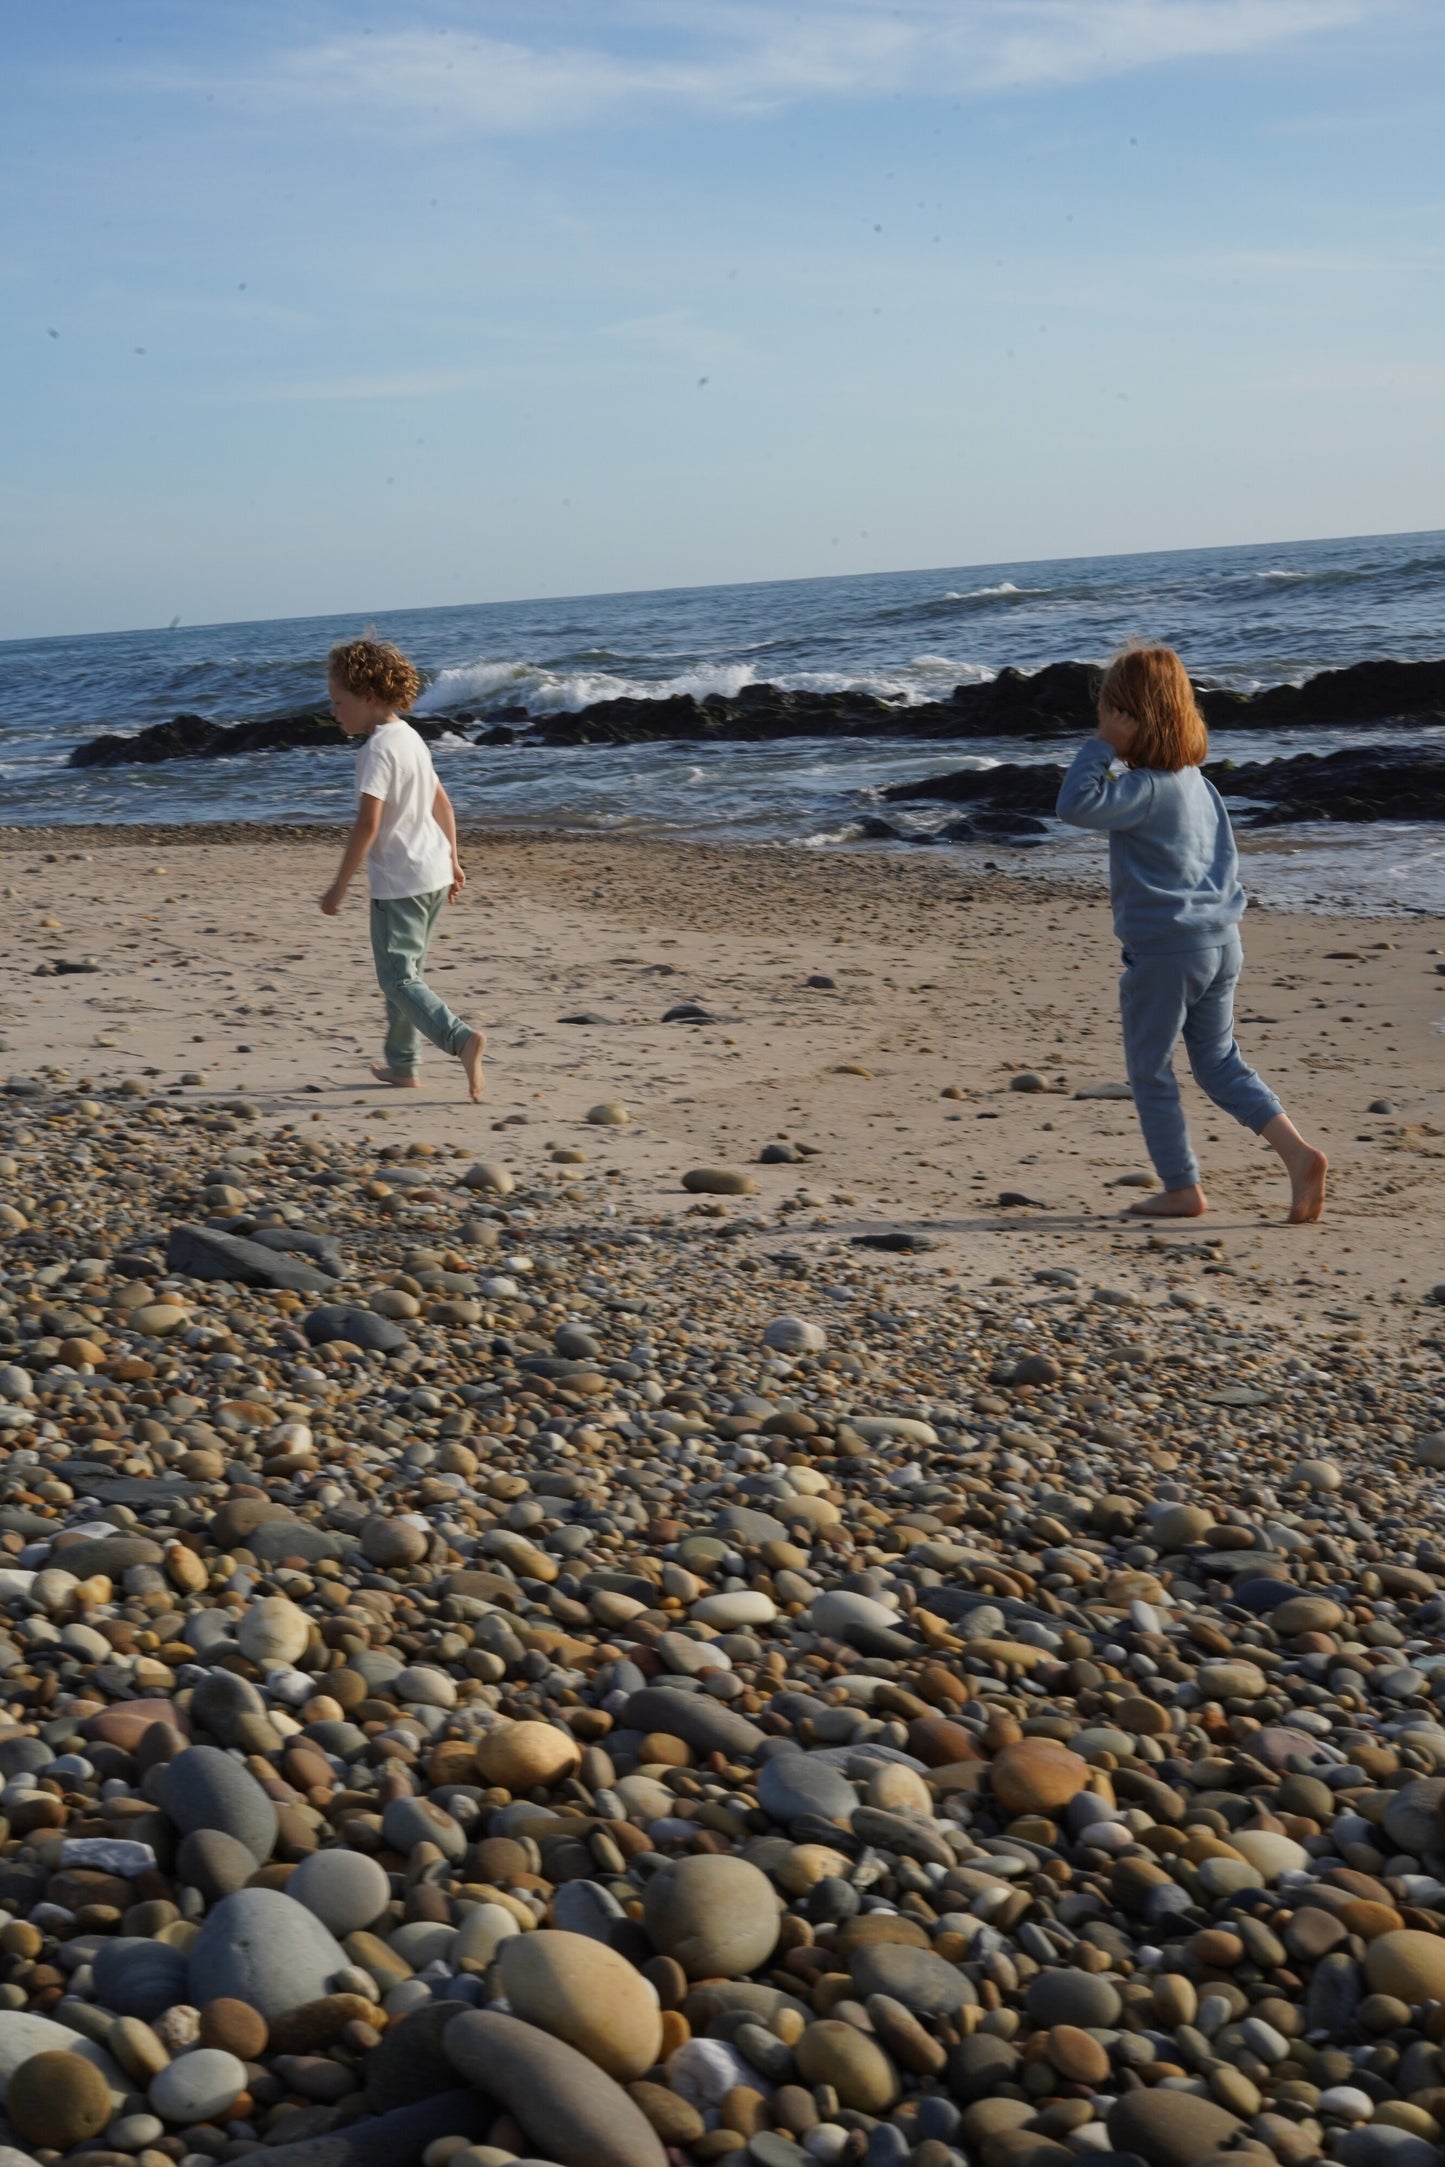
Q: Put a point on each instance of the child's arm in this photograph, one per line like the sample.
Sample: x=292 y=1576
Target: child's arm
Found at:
x=360 y=840
x=444 y=814
x=1093 y=798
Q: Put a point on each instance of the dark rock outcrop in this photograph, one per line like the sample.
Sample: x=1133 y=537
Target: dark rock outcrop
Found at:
x=1054 y=702
x=1356 y=784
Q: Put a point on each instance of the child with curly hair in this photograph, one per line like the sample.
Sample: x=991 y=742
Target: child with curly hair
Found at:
x=1174 y=884
x=405 y=834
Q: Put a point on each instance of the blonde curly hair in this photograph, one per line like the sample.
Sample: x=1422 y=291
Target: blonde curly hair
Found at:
x=374 y=670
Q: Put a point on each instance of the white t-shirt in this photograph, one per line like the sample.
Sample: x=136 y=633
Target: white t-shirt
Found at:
x=411 y=855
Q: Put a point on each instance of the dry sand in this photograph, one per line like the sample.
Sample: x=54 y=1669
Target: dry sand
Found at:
x=213 y=960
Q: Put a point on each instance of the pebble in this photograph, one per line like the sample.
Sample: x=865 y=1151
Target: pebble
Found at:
x=346 y=1890
x=259 y=1947
x=715 y=1915
x=57 y=2100
x=563 y=2101
x=546 y=1655
x=201 y=2086
x=203 y=1788
x=580 y=1990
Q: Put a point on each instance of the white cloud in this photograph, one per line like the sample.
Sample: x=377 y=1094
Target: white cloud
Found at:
x=743 y=56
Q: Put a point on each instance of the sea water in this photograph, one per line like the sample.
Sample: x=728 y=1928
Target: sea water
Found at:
x=1242 y=617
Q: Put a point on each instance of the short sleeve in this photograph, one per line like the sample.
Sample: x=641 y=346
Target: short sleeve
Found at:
x=375 y=769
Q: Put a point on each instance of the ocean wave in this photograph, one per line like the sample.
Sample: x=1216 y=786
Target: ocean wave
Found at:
x=1005 y=590
x=543 y=691
x=485 y=686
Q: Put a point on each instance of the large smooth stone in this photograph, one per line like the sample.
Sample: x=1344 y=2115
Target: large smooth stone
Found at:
x=791 y=1785
x=23 y=2034
x=259 y=1946
x=579 y=1990
x=925 y=1983
x=273 y=1632
x=872 y=1628
x=137 y=1977
x=520 y=1756
x=345 y=1889
x=1408 y=1964
x=569 y=2108
x=398 y=2139
x=696 y=1718
x=1170 y=2129
x=716 y=1914
x=851 y=2061
x=410 y=2063
x=1036 y=1775
x=204 y=1252
x=198 y=2087
x=358 y=1327
x=217 y=1865
x=58 y=2099
x=204 y=1788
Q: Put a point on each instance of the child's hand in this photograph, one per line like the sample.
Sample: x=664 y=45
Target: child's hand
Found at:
x=332 y=901
x=459 y=880
x=1117 y=731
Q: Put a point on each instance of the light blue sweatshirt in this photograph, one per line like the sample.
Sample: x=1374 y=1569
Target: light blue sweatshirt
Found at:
x=1173 y=867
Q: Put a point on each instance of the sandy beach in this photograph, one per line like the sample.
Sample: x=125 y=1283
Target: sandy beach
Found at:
x=898 y=1082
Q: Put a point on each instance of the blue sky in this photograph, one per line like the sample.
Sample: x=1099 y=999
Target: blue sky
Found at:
x=315 y=308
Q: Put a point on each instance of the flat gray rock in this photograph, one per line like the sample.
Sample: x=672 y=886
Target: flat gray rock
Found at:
x=925 y=1983
x=568 y=2107
x=23 y=2033
x=359 y=1327
x=870 y=1627
x=203 y=1788
x=137 y=1977
x=205 y=1252
x=397 y=2139
x=792 y=1785
x=696 y=1718
x=259 y=1946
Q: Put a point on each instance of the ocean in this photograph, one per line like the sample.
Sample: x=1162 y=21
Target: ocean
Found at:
x=1241 y=617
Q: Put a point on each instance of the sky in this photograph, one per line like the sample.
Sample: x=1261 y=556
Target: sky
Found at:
x=317 y=307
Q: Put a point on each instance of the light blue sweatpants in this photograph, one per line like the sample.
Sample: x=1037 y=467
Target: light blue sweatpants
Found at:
x=401 y=931
x=1190 y=995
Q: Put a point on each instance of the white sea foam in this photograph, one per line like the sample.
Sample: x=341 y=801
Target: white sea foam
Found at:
x=990 y=594
x=486 y=684
x=1282 y=575
x=542 y=691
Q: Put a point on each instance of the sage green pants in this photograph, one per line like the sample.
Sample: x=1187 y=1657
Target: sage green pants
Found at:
x=401 y=931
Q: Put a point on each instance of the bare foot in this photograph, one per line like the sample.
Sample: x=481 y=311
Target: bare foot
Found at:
x=1188 y=1203
x=471 y=1057
x=400 y=1079
x=1307 y=1172
x=1305 y=1166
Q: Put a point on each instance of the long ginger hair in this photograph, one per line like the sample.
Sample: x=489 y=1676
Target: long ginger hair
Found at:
x=1150 y=685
